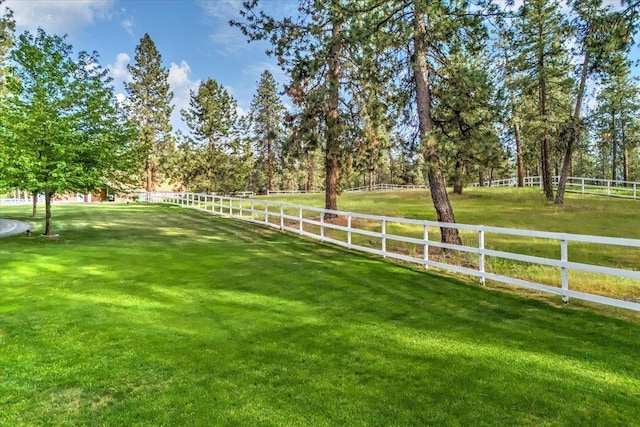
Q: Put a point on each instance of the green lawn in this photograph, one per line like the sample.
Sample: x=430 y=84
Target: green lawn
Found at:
x=501 y=207
x=515 y=208
x=152 y=315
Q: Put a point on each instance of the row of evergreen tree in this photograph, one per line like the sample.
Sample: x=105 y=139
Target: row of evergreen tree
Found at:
x=401 y=91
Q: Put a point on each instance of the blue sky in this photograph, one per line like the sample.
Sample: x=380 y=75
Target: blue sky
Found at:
x=193 y=37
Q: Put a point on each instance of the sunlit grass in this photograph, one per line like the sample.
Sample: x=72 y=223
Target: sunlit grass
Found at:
x=152 y=315
x=524 y=208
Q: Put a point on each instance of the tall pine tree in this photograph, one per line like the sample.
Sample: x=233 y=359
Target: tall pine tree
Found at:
x=267 y=113
x=212 y=118
x=150 y=102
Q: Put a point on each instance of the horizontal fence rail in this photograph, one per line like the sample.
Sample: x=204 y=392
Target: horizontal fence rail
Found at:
x=601 y=187
x=418 y=242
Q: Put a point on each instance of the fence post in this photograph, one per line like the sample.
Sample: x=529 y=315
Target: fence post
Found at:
x=425 y=237
x=266 y=213
x=281 y=217
x=322 y=224
x=383 y=231
x=252 y=218
x=230 y=206
x=481 y=255
x=634 y=190
x=241 y=203
x=564 y=258
x=300 y=219
x=349 y=230
x=608 y=187
x=582 y=181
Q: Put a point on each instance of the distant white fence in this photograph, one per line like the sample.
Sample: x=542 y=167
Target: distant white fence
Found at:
x=386 y=187
x=384 y=236
x=375 y=187
x=601 y=187
x=26 y=199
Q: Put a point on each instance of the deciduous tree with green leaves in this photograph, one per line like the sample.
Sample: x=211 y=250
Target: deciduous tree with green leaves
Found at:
x=61 y=127
x=7 y=28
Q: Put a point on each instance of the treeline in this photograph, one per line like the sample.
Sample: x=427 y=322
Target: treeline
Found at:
x=400 y=91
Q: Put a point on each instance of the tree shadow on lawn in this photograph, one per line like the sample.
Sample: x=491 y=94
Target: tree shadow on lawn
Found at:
x=325 y=342
x=279 y=323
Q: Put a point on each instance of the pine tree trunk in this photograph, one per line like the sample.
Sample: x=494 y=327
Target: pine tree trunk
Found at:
x=614 y=146
x=437 y=183
x=574 y=131
x=148 y=170
x=209 y=171
x=457 y=185
x=547 y=176
x=311 y=167
x=332 y=132
x=625 y=165
x=545 y=151
x=269 y=167
x=519 y=158
x=625 y=150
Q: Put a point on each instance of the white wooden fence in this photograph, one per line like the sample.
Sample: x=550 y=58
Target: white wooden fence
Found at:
x=375 y=187
x=410 y=240
x=601 y=187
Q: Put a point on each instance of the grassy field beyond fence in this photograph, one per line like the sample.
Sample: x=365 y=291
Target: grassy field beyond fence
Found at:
x=155 y=315
x=513 y=208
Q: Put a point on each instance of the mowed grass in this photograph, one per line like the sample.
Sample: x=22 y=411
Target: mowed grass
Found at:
x=521 y=208
x=155 y=315
x=524 y=208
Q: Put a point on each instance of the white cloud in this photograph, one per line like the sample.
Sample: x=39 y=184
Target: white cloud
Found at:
x=119 y=71
x=59 y=16
x=225 y=40
x=221 y=9
x=228 y=41
x=181 y=84
x=128 y=25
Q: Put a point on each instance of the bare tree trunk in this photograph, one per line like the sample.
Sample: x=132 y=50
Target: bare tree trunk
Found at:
x=545 y=151
x=47 y=215
x=614 y=147
x=310 y=170
x=519 y=158
x=437 y=183
x=333 y=122
x=457 y=185
x=547 y=178
x=625 y=150
x=34 y=204
x=269 y=167
x=148 y=170
x=574 y=131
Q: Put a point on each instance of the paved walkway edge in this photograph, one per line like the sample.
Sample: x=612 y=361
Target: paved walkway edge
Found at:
x=11 y=227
